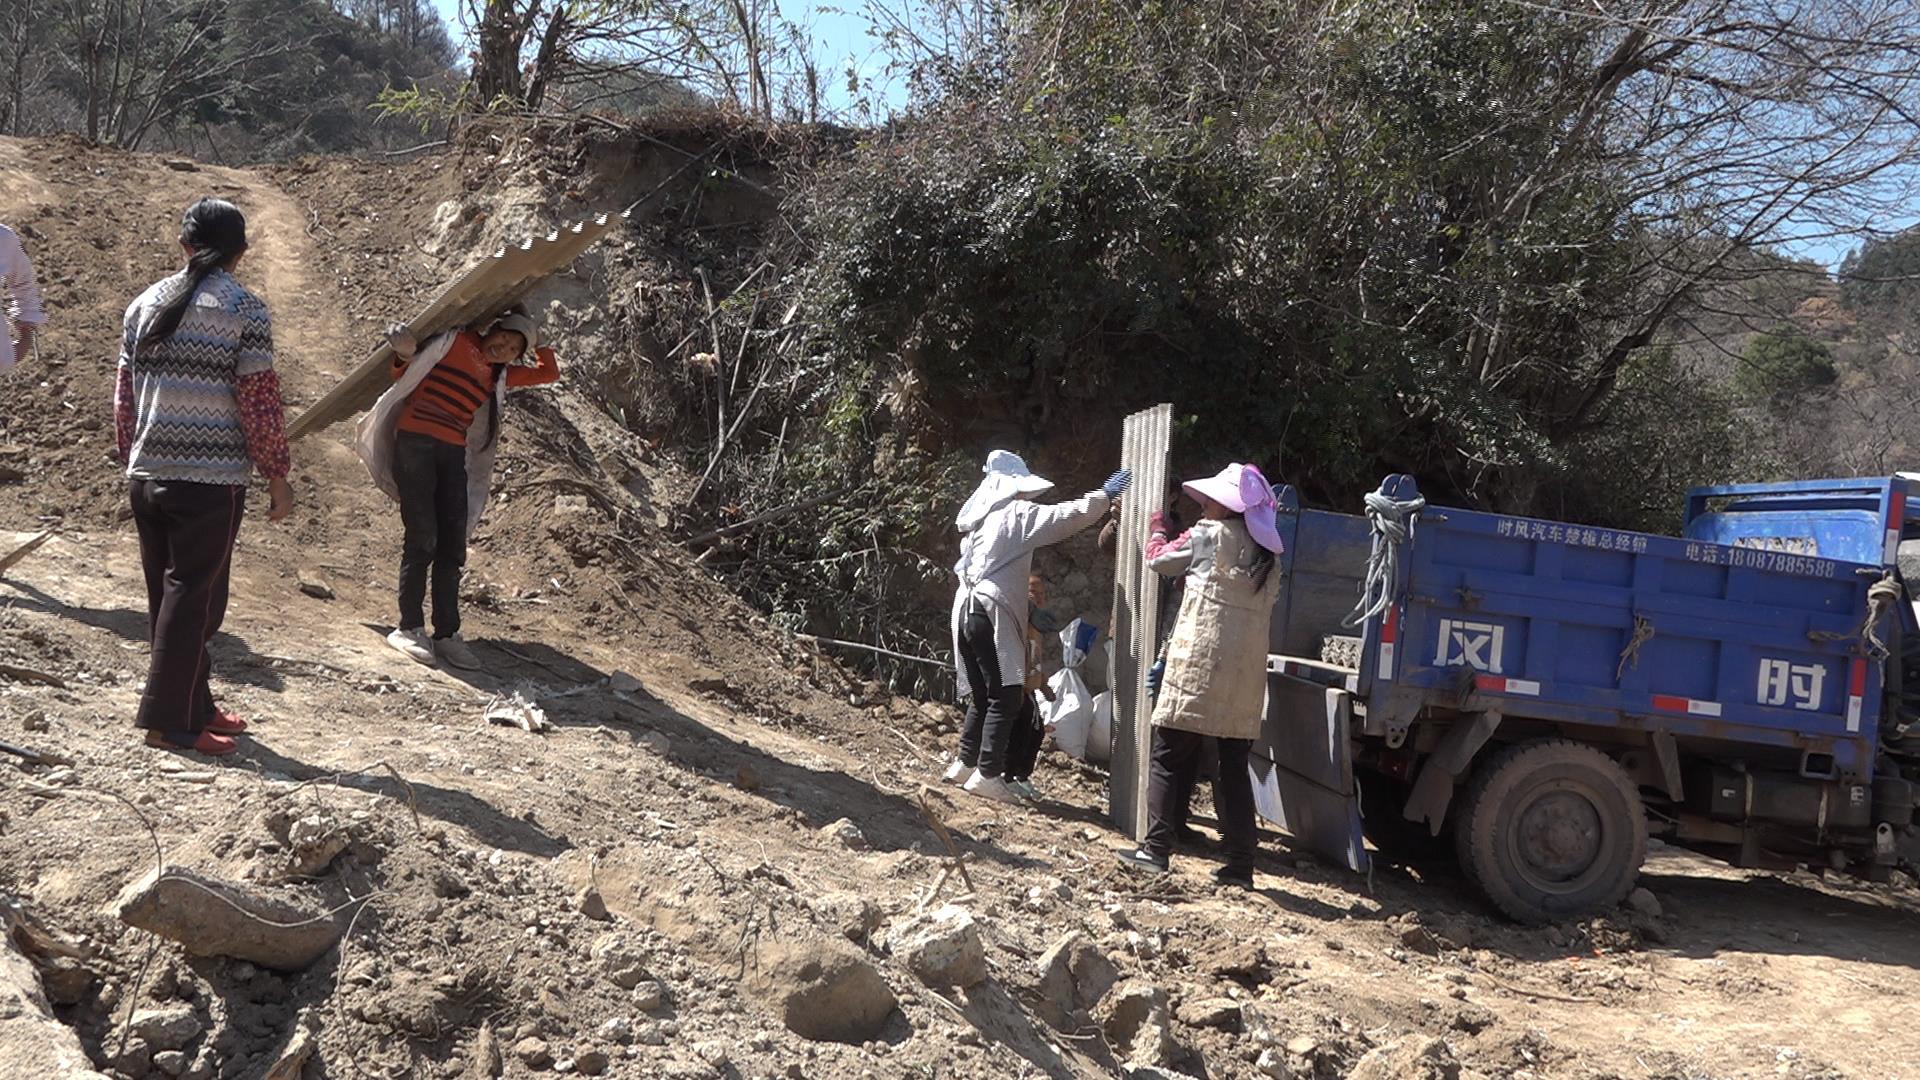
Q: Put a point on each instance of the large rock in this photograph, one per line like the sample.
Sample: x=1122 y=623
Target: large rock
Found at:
x=943 y=948
x=822 y=989
x=1135 y=1020
x=1411 y=1057
x=212 y=917
x=1074 y=976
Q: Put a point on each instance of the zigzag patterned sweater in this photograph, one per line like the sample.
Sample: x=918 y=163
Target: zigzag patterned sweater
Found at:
x=204 y=404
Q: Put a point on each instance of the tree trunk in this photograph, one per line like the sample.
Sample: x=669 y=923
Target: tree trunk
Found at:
x=496 y=62
x=547 y=62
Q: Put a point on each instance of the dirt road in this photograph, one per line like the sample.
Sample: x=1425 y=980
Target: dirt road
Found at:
x=700 y=790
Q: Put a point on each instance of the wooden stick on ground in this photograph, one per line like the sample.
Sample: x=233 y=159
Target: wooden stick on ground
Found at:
x=25 y=549
x=34 y=757
x=27 y=674
x=959 y=862
x=872 y=649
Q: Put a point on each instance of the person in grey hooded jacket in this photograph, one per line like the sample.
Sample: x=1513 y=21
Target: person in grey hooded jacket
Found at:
x=1000 y=529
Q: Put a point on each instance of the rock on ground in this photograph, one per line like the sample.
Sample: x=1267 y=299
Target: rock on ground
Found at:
x=1644 y=903
x=624 y=963
x=1411 y=1057
x=590 y=903
x=1220 y=1012
x=846 y=834
x=533 y=1052
x=1074 y=976
x=943 y=948
x=167 y=1027
x=822 y=989
x=212 y=917
x=649 y=995
x=1135 y=1020
x=855 y=916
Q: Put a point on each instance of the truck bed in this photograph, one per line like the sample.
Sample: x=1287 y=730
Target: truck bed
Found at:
x=1612 y=629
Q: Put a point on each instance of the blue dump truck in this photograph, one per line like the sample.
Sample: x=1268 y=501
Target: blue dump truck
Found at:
x=1548 y=696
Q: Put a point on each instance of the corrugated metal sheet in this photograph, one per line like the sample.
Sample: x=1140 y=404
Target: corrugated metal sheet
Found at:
x=1145 y=439
x=489 y=285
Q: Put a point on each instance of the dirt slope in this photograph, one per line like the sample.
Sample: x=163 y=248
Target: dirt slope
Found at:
x=699 y=793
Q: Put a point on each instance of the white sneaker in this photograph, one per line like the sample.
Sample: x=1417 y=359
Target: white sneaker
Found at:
x=956 y=772
x=1025 y=789
x=455 y=651
x=413 y=644
x=989 y=787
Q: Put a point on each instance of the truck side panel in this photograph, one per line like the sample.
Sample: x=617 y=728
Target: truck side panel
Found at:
x=1626 y=630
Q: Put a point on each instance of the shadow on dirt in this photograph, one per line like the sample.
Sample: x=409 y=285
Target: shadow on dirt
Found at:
x=461 y=808
x=1846 y=920
x=575 y=694
x=230 y=651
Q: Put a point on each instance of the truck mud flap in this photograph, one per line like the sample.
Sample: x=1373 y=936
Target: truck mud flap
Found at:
x=1302 y=769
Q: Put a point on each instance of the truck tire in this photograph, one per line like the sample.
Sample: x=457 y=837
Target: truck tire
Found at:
x=1551 y=830
x=1340 y=651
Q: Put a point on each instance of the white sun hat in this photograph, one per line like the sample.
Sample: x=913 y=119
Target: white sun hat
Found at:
x=1007 y=478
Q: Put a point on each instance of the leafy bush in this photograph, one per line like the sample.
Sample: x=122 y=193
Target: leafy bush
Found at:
x=1783 y=363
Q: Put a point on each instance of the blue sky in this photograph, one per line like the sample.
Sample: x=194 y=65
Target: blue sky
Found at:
x=840 y=33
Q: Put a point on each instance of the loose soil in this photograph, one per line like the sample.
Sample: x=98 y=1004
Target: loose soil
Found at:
x=696 y=764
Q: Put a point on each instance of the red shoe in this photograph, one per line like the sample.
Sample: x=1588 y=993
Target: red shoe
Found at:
x=206 y=742
x=227 y=723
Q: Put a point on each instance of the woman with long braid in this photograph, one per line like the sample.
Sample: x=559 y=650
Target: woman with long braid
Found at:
x=196 y=410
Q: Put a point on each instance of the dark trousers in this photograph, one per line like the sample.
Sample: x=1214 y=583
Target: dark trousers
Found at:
x=186 y=532
x=1176 y=761
x=993 y=707
x=1023 y=746
x=432 y=478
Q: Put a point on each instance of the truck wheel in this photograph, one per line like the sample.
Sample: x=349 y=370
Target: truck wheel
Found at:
x=1551 y=830
x=1340 y=651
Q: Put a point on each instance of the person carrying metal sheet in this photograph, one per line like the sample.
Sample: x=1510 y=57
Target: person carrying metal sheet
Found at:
x=429 y=444
x=1215 y=683
x=19 y=299
x=1000 y=529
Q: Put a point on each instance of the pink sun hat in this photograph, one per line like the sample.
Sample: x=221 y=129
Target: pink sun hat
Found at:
x=1243 y=490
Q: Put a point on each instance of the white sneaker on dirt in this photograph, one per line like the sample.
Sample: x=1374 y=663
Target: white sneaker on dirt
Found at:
x=989 y=787
x=455 y=651
x=413 y=644
x=956 y=772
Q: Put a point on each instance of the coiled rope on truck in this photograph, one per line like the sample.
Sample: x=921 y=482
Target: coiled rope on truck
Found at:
x=1881 y=595
x=1392 y=521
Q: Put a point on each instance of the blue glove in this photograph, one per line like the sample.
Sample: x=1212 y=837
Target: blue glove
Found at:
x=1153 y=678
x=1117 y=483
